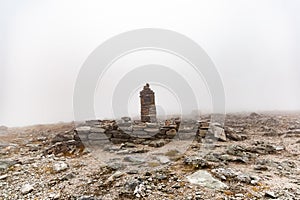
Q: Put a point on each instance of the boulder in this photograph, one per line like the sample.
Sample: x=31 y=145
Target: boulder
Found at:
x=205 y=179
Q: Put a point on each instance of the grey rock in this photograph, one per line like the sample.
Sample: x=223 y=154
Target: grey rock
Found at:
x=97 y=136
x=131 y=184
x=232 y=135
x=4 y=176
x=176 y=186
x=152 y=125
x=68 y=177
x=83 y=129
x=139 y=190
x=270 y=195
x=113 y=177
x=128 y=145
x=126 y=119
x=138 y=128
x=60 y=166
x=205 y=179
x=196 y=162
x=27 y=188
x=261 y=167
x=158 y=143
x=163 y=159
x=161 y=177
x=219 y=133
x=142 y=134
x=54 y=195
x=151 y=130
x=225 y=173
x=134 y=159
x=97 y=130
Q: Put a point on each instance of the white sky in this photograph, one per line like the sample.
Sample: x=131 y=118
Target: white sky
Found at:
x=254 y=44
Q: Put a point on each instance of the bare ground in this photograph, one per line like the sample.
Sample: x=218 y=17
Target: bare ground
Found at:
x=263 y=166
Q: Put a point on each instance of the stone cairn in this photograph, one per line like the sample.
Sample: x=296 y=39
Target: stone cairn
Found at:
x=145 y=131
x=100 y=132
x=148 y=108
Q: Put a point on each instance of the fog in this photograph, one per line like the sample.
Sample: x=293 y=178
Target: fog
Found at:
x=254 y=45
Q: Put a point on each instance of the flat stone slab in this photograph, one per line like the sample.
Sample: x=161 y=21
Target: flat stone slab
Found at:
x=138 y=127
x=141 y=134
x=83 y=129
x=97 y=130
x=151 y=130
x=97 y=136
x=205 y=179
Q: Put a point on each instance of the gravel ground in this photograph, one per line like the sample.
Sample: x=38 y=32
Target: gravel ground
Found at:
x=262 y=164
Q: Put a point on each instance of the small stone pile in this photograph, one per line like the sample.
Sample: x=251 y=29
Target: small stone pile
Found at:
x=101 y=132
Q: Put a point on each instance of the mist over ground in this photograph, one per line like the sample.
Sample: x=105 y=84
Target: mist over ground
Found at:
x=255 y=46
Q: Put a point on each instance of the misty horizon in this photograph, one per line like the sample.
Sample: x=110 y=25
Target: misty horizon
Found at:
x=254 y=46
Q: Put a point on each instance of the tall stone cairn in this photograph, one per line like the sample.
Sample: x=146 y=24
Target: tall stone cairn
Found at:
x=148 y=109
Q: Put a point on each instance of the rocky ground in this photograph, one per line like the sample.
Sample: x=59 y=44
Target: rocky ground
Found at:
x=254 y=156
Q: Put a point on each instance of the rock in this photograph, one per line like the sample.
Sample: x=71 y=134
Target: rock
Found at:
x=132 y=171
x=254 y=180
x=163 y=159
x=279 y=148
x=239 y=195
x=83 y=129
x=158 y=143
x=33 y=147
x=64 y=136
x=27 y=188
x=60 y=166
x=225 y=173
x=54 y=195
x=113 y=177
x=161 y=177
x=97 y=136
x=126 y=119
x=196 y=162
x=97 y=130
x=230 y=134
x=152 y=125
x=151 y=130
x=205 y=179
x=176 y=186
x=141 y=134
x=139 y=190
x=68 y=177
x=245 y=178
x=4 y=176
x=87 y=197
x=119 y=140
x=128 y=145
x=270 y=194
x=172 y=132
x=135 y=160
x=254 y=115
x=262 y=147
x=67 y=143
x=261 y=167
x=138 y=127
x=41 y=139
x=115 y=165
x=119 y=134
x=219 y=133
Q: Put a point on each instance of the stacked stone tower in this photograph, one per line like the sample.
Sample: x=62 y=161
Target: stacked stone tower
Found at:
x=148 y=109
